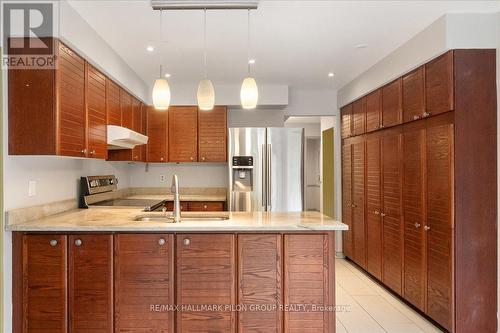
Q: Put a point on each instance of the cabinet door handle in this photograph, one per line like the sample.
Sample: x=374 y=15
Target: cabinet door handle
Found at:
x=191 y=158
x=382 y=214
x=353 y=205
x=416 y=117
x=78 y=242
x=186 y=241
x=161 y=241
x=376 y=212
x=161 y=158
x=53 y=242
x=426 y=228
x=203 y=158
x=426 y=114
x=417 y=225
x=84 y=151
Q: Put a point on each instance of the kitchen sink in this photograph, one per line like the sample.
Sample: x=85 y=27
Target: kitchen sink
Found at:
x=190 y=217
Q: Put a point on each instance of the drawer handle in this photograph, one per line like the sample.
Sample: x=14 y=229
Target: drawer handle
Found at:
x=205 y=206
x=187 y=241
x=162 y=241
x=53 y=242
x=78 y=242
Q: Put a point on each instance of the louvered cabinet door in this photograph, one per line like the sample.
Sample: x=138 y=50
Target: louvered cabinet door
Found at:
x=373 y=110
x=91 y=283
x=309 y=281
x=71 y=103
x=126 y=109
x=260 y=279
x=439 y=90
x=392 y=210
x=359 y=116
x=96 y=114
x=206 y=275
x=439 y=151
x=212 y=128
x=373 y=207
x=113 y=108
x=44 y=284
x=358 y=198
x=414 y=187
x=157 y=148
x=346 y=115
x=414 y=95
x=392 y=104
x=183 y=134
x=144 y=283
x=347 y=236
x=137 y=126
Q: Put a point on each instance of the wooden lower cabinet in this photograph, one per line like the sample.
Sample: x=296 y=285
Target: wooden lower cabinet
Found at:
x=144 y=282
x=347 y=236
x=90 y=292
x=206 y=277
x=198 y=206
x=358 y=203
x=309 y=280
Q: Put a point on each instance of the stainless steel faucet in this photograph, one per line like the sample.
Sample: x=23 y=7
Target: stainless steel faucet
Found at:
x=177 y=204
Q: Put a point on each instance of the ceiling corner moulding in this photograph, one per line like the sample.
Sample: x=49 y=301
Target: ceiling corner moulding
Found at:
x=204 y=4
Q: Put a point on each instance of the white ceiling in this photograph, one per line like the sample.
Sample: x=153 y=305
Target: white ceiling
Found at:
x=296 y=43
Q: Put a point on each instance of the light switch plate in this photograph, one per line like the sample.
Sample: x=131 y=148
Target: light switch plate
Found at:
x=31 y=188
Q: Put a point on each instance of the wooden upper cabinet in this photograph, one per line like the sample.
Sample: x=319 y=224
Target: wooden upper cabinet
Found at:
x=90 y=283
x=439 y=221
x=212 y=133
x=137 y=126
x=374 y=110
x=144 y=277
x=358 y=203
x=439 y=92
x=346 y=115
x=260 y=279
x=347 y=241
x=309 y=279
x=126 y=109
x=183 y=134
x=206 y=275
x=157 y=148
x=96 y=113
x=392 y=104
x=414 y=95
x=414 y=188
x=373 y=206
x=44 y=276
x=359 y=116
x=392 y=209
x=113 y=103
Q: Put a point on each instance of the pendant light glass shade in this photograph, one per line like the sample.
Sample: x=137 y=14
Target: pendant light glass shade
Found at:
x=249 y=93
x=161 y=94
x=206 y=95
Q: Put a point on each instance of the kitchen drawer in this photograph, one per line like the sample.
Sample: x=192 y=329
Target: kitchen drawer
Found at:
x=207 y=206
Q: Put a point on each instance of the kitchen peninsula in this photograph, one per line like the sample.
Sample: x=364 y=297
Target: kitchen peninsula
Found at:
x=107 y=269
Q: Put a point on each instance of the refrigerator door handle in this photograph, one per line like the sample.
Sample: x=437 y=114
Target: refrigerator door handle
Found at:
x=264 y=175
x=269 y=176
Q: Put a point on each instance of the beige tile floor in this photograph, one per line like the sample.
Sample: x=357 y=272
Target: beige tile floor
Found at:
x=369 y=308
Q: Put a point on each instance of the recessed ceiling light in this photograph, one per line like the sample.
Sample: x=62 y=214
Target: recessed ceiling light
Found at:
x=150 y=48
x=251 y=61
x=361 y=46
x=167 y=75
x=331 y=74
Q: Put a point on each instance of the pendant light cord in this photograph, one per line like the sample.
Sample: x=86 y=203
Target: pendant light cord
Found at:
x=205 y=41
x=248 y=42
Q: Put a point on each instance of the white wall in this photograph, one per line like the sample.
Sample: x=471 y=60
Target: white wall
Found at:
x=259 y=117
x=314 y=102
x=190 y=175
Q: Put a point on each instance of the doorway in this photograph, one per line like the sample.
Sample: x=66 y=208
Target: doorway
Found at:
x=313 y=174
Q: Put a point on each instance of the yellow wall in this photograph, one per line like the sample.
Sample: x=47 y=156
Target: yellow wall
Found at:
x=328 y=173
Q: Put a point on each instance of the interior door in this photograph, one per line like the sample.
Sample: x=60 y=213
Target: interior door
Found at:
x=439 y=226
x=285 y=170
x=392 y=209
x=373 y=207
x=347 y=236
x=414 y=194
x=358 y=199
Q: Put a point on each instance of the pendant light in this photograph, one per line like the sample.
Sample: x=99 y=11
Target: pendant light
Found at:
x=249 y=93
x=206 y=92
x=161 y=88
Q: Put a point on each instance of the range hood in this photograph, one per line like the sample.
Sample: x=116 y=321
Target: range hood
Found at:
x=123 y=138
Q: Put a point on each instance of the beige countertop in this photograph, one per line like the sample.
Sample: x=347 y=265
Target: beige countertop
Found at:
x=122 y=219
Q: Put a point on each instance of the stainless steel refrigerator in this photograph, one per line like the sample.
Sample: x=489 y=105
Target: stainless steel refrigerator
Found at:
x=266 y=169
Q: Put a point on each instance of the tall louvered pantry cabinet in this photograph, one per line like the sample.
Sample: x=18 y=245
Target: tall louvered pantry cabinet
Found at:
x=426 y=180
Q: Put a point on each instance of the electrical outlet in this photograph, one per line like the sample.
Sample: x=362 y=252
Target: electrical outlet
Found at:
x=163 y=178
x=31 y=188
